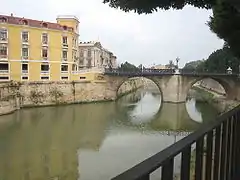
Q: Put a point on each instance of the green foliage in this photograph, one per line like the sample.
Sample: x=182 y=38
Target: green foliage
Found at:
x=128 y=67
x=193 y=64
x=149 y=6
x=220 y=60
x=226 y=24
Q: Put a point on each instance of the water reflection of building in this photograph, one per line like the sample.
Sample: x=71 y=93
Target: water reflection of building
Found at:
x=46 y=147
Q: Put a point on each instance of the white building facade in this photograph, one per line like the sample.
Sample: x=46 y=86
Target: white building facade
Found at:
x=93 y=55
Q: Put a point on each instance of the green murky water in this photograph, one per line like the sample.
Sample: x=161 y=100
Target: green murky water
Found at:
x=93 y=141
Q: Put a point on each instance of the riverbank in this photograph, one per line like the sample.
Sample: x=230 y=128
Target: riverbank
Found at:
x=17 y=95
x=218 y=100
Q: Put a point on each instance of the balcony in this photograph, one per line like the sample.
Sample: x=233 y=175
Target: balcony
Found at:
x=24 y=57
x=4 y=71
x=3 y=57
x=44 y=72
x=24 y=71
x=45 y=58
x=64 y=59
x=45 y=43
x=3 y=40
x=25 y=41
x=65 y=45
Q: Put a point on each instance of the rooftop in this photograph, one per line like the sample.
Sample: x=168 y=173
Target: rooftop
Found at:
x=32 y=23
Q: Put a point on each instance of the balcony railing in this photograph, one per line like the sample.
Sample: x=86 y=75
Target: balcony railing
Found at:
x=25 y=41
x=216 y=148
x=44 y=43
x=3 y=57
x=4 y=71
x=24 y=57
x=3 y=39
x=24 y=71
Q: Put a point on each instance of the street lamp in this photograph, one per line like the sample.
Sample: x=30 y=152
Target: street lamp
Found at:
x=177 y=61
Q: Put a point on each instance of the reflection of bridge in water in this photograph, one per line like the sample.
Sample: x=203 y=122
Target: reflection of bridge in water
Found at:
x=170 y=116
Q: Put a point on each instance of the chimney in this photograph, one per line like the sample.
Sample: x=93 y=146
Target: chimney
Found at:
x=12 y=14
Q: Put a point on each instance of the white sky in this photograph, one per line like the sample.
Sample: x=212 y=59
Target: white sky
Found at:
x=138 y=39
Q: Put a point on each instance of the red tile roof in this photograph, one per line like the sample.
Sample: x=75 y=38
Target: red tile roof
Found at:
x=34 y=23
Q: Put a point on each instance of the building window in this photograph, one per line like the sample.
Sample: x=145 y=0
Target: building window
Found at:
x=44 y=38
x=24 y=77
x=81 y=53
x=44 y=53
x=4 y=67
x=45 y=25
x=81 y=61
x=45 y=68
x=24 y=52
x=64 y=28
x=25 y=37
x=64 y=55
x=74 y=67
x=44 y=77
x=74 y=55
x=64 y=68
x=4 y=78
x=82 y=77
x=25 y=68
x=3 y=34
x=3 y=51
x=64 y=77
x=3 y=19
x=64 y=40
x=89 y=53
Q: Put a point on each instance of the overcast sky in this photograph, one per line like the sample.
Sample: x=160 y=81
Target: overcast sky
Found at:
x=147 y=39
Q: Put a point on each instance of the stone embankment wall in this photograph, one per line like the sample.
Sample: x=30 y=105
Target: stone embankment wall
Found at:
x=212 y=85
x=16 y=95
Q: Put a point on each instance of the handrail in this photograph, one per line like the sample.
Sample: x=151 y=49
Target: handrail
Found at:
x=149 y=71
x=164 y=158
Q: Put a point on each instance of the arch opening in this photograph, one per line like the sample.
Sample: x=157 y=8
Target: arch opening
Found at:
x=141 y=98
x=204 y=97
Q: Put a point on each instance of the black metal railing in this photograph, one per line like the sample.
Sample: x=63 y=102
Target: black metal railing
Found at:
x=216 y=147
x=150 y=71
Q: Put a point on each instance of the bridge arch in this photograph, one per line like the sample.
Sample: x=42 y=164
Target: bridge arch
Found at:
x=122 y=81
x=227 y=84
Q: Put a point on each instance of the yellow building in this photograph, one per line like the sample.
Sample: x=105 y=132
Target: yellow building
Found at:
x=36 y=50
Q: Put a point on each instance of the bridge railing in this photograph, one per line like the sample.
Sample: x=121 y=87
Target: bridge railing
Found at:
x=150 y=71
x=216 y=148
x=146 y=71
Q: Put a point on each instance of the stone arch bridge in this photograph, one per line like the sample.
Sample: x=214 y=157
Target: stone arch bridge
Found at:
x=173 y=85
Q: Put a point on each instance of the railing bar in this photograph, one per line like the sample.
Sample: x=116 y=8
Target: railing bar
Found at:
x=217 y=153
x=229 y=147
x=185 y=163
x=223 y=153
x=237 y=151
x=228 y=139
x=233 y=157
x=167 y=170
x=199 y=159
x=209 y=156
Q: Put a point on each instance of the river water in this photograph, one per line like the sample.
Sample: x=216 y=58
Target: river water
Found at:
x=93 y=141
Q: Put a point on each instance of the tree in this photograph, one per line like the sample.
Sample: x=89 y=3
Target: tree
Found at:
x=225 y=21
x=226 y=24
x=220 y=60
x=149 y=6
x=128 y=67
x=193 y=65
